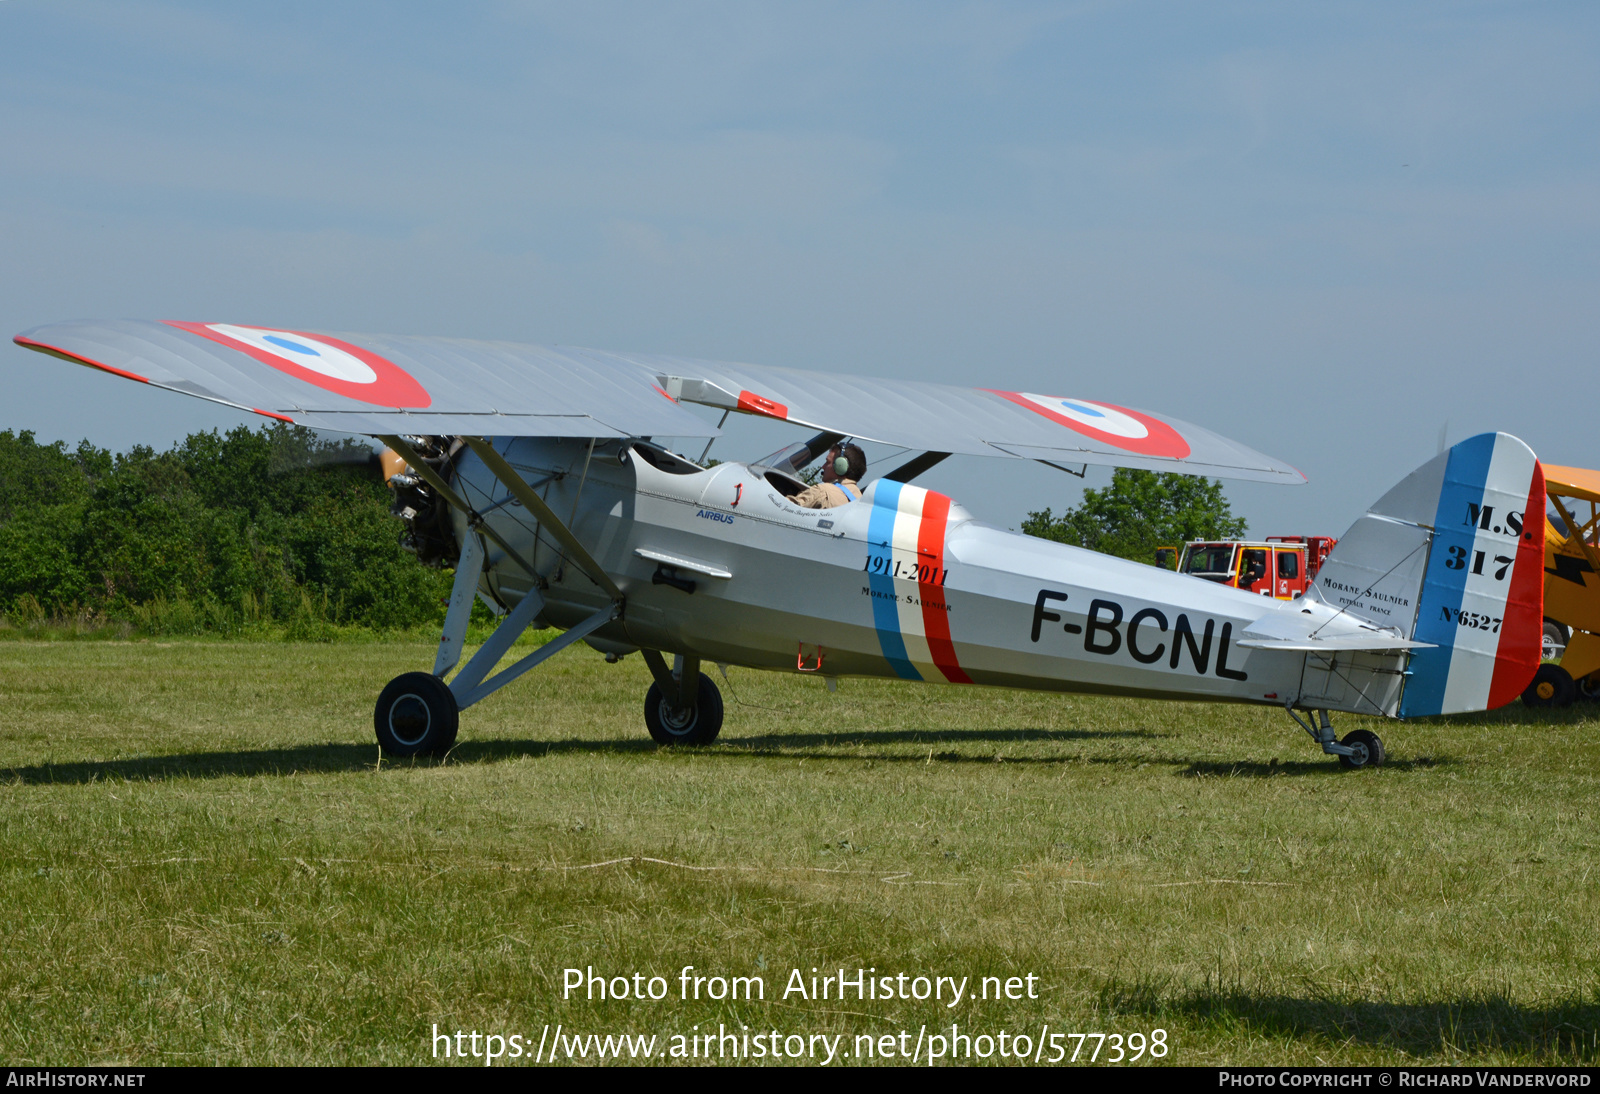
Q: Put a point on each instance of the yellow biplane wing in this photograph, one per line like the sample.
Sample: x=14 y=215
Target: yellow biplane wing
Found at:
x=1572 y=482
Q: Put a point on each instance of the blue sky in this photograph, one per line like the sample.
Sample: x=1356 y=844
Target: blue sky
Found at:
x=1323 y=230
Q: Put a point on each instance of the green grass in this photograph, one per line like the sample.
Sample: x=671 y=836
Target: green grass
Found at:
x=203 y=861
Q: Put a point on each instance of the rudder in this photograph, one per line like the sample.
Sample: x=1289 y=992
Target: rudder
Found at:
x=1482 y=597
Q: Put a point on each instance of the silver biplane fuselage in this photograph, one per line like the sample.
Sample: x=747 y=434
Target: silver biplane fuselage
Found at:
x=718 y=564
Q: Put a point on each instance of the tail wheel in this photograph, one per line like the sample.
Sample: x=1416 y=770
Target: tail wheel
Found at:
x=671 y=725
x=416 y=715
x=1551 y=687
x=1368 y=749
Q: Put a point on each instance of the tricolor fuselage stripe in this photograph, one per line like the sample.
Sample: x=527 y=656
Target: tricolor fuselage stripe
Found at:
x=1463 y=606
x=907 y=525
x=906 y=536
x=880 y=579
x=935 y=610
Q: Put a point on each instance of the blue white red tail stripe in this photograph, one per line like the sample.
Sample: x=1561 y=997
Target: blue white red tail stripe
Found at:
x=906 y=575
x=880 y=571
x=1482 y=594
x=1522 y=635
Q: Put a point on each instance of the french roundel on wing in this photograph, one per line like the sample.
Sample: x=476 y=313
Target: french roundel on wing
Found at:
x=1104 y=422
x=328 y=363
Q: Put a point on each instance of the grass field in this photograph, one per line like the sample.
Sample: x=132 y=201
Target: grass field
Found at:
x=204 y=862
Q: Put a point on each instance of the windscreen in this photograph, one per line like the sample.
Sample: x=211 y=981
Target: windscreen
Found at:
x=788 y=459
x=1210 y=558
x=792 y=459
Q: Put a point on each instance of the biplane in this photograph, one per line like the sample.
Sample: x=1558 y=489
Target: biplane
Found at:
x=537 y=474
x=1571 y=589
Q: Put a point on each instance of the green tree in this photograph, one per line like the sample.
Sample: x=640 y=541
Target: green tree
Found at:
x=1140 y=511
x=268 y=520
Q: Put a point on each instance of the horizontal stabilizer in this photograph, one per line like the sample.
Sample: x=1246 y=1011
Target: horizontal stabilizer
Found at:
x=1308 y=624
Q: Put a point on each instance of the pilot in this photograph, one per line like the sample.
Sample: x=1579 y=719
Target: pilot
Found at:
x=845 y=466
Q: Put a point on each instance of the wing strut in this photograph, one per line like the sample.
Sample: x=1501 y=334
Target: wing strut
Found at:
x=1081 y=472
x=916 y=465
x=474 y=519
x=546 y=516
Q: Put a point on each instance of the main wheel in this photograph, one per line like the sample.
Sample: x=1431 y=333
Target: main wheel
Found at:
x=1589 y=687
x=416 y=714
x=1555 y=640
x=699 y=726
x=1368 y=749
x=1551 y=687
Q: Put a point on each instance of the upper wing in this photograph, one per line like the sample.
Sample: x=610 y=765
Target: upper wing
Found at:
x=1572 y=482
x=380 y=384
x=975 y=421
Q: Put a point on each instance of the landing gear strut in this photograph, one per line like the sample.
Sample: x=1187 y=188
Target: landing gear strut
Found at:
x=683 y=706
x=1360 y=747
x=418 y=712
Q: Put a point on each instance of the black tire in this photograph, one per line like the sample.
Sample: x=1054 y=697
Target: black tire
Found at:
x=1551 y=687
x=1556 y=637
x=416 y=715
x=1589 y=687
x=1368 y=746
x=699 y=727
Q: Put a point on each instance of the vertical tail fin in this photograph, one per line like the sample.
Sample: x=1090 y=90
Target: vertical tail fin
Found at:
x=1453 y=556
x=1482 y=602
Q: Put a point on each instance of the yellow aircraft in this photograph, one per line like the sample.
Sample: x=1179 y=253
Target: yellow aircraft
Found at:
x=1571 y=589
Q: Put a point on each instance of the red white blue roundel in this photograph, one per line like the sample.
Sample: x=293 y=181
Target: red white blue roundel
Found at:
x=1113 y=425
x=329 y=363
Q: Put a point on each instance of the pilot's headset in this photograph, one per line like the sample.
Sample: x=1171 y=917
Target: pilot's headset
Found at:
x=841 y=464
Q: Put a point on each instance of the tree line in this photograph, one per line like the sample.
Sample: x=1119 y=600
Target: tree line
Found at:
x=272 y=527
x=280 y=529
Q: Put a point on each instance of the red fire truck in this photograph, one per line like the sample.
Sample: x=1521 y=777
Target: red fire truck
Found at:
x=1278 y=566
